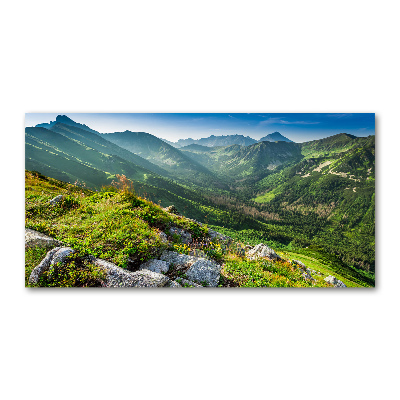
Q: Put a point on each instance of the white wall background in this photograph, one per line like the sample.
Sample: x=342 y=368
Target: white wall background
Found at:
x=209 y=56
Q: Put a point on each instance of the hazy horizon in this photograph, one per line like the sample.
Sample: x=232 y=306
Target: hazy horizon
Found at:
x=299 y=127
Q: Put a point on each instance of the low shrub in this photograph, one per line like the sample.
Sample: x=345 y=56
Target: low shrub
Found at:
x=76 y=272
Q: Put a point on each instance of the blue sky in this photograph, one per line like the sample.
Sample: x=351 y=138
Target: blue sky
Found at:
x=298 y=127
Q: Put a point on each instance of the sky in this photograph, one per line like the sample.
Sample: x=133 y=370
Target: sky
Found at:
x=299 y=127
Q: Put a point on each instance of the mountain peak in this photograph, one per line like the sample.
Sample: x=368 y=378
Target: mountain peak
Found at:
x=348 y=135
x=275 y=137
x=222 y=140
x=64 y=119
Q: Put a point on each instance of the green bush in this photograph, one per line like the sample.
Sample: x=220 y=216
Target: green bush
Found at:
x=76 y=272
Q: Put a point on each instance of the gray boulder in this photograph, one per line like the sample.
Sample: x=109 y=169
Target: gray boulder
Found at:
x=334 y=281
x=118 y=277
x=262 y=251
x=180 y=261
x=196 y=269
x=60 y=256
x=204 y=271
x=56 y=199
x=44 y=266
x=37 y=239
x=53 y=258
x=158 y=266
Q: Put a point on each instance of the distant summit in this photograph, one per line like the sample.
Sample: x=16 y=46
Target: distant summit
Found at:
x=213 y=141
x=275 y=137
x=63 y=119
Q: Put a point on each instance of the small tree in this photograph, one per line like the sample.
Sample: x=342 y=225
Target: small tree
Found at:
x=124 y=184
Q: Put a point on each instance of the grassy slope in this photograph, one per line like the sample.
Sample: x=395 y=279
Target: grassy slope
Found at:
x=110 y=225
x=118 y=225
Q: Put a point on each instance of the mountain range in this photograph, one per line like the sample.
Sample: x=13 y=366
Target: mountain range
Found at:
x=317 y=195
x=229 y=140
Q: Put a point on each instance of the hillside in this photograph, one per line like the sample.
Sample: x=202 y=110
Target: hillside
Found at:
x=75 y=155
x=97 y=142
x=332 y=194
x=158 y=152
x=331 y=144
x=253 y=161
x=116 y=238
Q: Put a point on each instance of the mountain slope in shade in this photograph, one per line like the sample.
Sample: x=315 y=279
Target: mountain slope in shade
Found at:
x=260 y=158
x=64 y=157
x=238 y=162
x=213 y=141
x=77 y=159
x=97 y=142
x=63 y=119
x=275 y=137
x=158 y=152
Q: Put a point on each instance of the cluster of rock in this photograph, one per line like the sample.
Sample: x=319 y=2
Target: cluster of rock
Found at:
x=197 y=271
x=305 y=271
x=185 y=236
x=114 y=275
x=37 y=239
x=334 y=281
x=187 y=270
x=262 y=251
